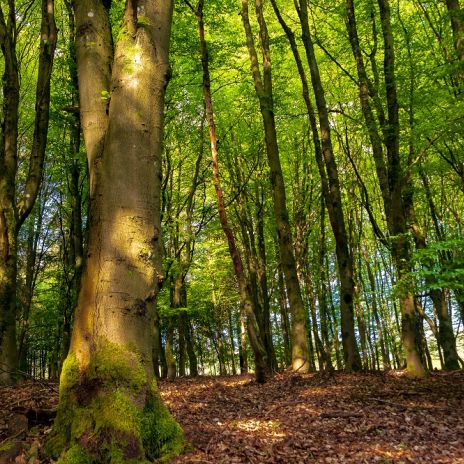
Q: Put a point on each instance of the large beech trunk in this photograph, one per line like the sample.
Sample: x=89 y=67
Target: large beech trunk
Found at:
x=109 y=410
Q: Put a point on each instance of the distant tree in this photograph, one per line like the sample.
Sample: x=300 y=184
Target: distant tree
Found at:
x=263 y=87
x=17 y=201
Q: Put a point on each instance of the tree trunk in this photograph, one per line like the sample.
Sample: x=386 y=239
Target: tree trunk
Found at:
x=189 y=340
x=232 y=342
x=31 y=255
x=375 y=310
x=446 y=337
x=330 y=183
x=390 y=174
x=169 y=350
x=182 y=345
x=73 y=266
x=13 y=210
x=244 y=293
x=178 y=297
x=285 y=323
x=156 y=345
x=109 y=367
x=263 y=88
x=457 y=25
x=221 y=349
x=243 y=354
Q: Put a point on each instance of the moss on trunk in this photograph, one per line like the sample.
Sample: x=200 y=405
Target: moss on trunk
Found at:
x=110 y=412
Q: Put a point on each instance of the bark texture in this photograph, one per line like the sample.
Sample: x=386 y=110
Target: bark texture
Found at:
x=457 y=25
x=109 y=409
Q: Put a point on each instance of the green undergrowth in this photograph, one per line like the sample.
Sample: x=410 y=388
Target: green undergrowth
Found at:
x=109 y=414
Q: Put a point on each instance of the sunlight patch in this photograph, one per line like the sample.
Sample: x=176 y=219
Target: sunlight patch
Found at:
x=268 y=427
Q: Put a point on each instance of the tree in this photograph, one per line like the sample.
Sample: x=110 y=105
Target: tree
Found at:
x=246 y=301
x=330 y=182
x=390 y=173
x=109 y=409
x=14 y=208
x=263 y=88
x=457 y=25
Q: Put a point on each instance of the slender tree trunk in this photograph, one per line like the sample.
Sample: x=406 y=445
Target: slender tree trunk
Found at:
x=13 y=210
x=322 y=296
x=263 y=286
x=34 y=231
x=373 y=289
x=192 y=357
x=330 y=182
x=457 y=25
x=263 y=88
x=446 y=337
x=255 y=260
x=285 y=323
x=320 y=352
x=221 y=349
x=162 y=359
x=243 y=354
x=169 y=351
x=390 y=174
x=157 y=348
x=182 y=345
x=334 y=205
x=178 y=297
x=244 y=293
x=75 y=263
x=232 y=342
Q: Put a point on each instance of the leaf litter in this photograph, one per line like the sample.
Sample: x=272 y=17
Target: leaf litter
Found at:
x=336 y=417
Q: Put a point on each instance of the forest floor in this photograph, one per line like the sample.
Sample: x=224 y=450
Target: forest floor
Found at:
x=313 y=418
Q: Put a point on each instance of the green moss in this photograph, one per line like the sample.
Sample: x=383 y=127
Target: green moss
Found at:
x=143 y=21
x=69 y=374
x=6 y=446
x=123 y=33
x=76 y=455
x=116 y=411
x=61 y=433
x=100 y=419
x=118 y=365
x=161 y=434
x=81 y=422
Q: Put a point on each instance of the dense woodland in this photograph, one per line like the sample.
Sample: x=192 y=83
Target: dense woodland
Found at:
x=223 y=187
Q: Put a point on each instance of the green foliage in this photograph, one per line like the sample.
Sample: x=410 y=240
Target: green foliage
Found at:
x=430 y=90
x=105 y=95
x=432 y=269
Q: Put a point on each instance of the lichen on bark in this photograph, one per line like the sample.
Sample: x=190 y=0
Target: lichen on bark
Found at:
x=110 y=412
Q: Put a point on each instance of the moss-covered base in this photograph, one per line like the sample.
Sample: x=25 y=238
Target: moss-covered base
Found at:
x=109 y=414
